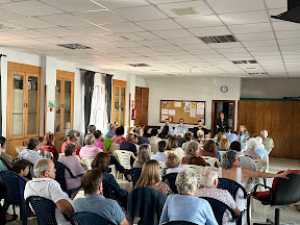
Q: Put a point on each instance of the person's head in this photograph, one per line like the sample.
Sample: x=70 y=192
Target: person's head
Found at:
x=252 y=144
x=21 y=167
x=210 y=146
x=230 y=160
x=120 y=131
x=162 y=146
x=200 y=134
x=242 y=128
x=112 y=126
x=49 y=138
x=71 y=136
x=131 y=138
x=70 y=149
x=172 y=143
x=264 y=134
x=97 y=134
x=101 y=161
x=91 y=182
x=91 y=129
x=222 y=116
x=200 y=122
x=144 y=154
x=210 y=179
x=150 y=174
x=89 y=139
x=220 y=136
x=154 y=132
x=188 y=136
x=172 y=161
x=186 y=182
x=33 y=143
x=224 y=144
x=44 y=168
x=181 y=120
x=235 y=146
x=193 y=149
x=167 y=121
x=2 y=142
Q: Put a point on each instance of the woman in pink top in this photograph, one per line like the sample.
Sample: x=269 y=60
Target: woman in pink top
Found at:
x=119 y=137
x=99 y=141
x=89 y=151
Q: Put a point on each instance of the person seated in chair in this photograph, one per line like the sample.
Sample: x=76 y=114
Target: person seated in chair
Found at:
x=209 y=189
x=161 y=155
x=44 y=185
x=31 y=152
x=180 y=129
x=130 y=144
x=94 y=202
x=185 y=206
x=22 y=168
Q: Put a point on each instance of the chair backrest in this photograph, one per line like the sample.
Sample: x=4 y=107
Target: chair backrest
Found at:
x=286 y=191
x=219 y=208
x=179 y=223
x=44 y=210
x=124 y=156
x=89 y=218
x=145 y=204
x=171 y=180
x=231 y=186
x=211 y=161
x=15 y=186
x=135 y=174
x=60 y=175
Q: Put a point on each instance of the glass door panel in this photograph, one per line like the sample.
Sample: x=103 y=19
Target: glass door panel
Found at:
x=33 y=104
x=58 y=106
x=67 y=106
x=18 y=105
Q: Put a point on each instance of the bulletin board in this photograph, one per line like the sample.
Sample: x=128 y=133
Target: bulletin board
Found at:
x=189 y=111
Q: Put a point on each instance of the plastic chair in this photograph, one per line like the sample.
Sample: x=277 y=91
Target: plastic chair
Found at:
x=283 y=192
x=179 y=223
x=219 y=208
x=171 y=180
x=44 y=210
x=89 y=218
x=124 y=156
x=15 y=186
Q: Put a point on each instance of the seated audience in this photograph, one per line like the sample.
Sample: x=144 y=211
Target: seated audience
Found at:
x=173 y=164
x=111 y=188
x=154 y=139
x=224 y=144
x=22 y=167
x=119 y=136
x=94 y=202
x=232 y=135
x=150 y=177
x=48 y=145
x=255 y=149
x=209 y=149
x=180 y=129
x=89 y=151
x=130 y=144
x=200 y=138
x=142 y=156
x=141 y=135
x=31 y=152
x=245 y=161
x=172 y=147
x=198 y=127
x=71 y=139
x=267 y=141
x=111 y=130
x=243 y=137
x=99 y=141
x=5 y=159
x=91 y=129
x=188 y=137
x=161 y=155
x=44 y=185
x=71 y=161
x=166 y=130
x=185 y=206
x=193 y=155
x=209 y=189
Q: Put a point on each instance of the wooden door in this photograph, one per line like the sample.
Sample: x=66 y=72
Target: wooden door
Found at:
x=64 y=99
x=141 y=105
x=23 y=105
x=118 y=102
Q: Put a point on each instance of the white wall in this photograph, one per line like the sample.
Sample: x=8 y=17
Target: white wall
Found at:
x=270 y=87
x=189 y=88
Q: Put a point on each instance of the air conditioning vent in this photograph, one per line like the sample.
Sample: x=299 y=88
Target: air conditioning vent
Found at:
x=239 y=62
x=74 y=46
x=184 y=11
x=218 y=39
x=138 y=65
x=258 y=74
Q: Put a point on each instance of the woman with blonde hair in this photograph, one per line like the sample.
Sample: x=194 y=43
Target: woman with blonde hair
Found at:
x=224 y=144
x=193 y=155
x=150 y=177
x=172 y=147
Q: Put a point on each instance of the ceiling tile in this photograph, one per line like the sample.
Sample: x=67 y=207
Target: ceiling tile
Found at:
x=101 y=18
x=208 y=31
x=158 y=25
x=245 y=18
x=123 y=27
x=172 y=34
x=273 y=4
x=64 y=20
x=199 y=21
x=117 y=4
x=229 y=6
x=250 y=28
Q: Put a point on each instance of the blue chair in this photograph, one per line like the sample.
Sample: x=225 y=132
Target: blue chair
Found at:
x=44 y=209
x=170 y=179
x=219 y=208
x=14 y=193
x=179 y=223
x=89 y=218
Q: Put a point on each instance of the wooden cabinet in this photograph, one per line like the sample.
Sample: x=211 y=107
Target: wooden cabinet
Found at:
x=64 y=99
x=118 y=102
x=23 y=104
x=141 y=105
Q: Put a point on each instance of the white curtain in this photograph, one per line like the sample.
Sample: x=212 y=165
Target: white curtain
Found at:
x=98 y=109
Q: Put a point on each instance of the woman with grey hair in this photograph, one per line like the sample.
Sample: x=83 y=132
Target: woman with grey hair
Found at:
x=185 y=206
x=231 y=169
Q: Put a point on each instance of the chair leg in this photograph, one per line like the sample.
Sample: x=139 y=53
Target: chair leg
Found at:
x=277 y=217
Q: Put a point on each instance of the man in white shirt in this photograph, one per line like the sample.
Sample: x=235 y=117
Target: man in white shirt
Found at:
x=45 y=186
x=180 y=129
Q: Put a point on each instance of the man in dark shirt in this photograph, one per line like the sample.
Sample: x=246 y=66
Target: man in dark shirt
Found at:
x=130 y=144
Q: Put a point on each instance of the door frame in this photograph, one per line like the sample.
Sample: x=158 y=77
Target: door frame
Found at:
x=123 y=84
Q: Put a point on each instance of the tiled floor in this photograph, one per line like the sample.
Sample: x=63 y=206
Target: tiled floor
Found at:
x=289 y=215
